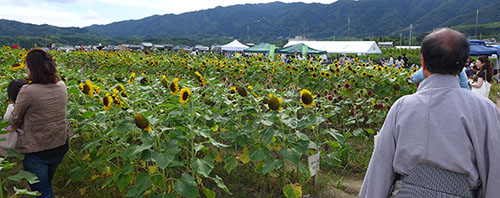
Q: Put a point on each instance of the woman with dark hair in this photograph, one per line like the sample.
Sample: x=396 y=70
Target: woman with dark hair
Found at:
x=39 y=118
x=483 y=79
x=485 y=72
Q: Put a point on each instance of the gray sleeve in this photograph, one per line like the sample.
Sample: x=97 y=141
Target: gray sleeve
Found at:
x=380 y=175
x=488 y=156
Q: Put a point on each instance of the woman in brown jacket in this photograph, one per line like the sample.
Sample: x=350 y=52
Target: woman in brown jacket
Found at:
x=39 y=118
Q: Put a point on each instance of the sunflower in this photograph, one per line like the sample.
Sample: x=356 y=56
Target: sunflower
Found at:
x=241 y=91
x=306 y=98
x=364 y=74
x=290 y=72
x=174 y=87
x=396 y=87
x=164 y=81
x=322 y=74
x=233 y=90
x=120 y=87
x=347 y=85
x=124 y=94
x=132 y=77
x=107 y=101
x=141 y=122
x=184 y=95
x=144 y=80
x=314 y=75
x=327 y=74
x=200 y=78
x=97 y=89
x=274 y=103
x=16 y=66
x=87 y=88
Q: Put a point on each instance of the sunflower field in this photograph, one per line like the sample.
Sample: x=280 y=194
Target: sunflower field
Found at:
x=168 y=124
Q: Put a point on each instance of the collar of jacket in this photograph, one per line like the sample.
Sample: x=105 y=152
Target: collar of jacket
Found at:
x=439 y=80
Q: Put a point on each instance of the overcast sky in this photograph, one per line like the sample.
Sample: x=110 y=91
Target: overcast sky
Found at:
x=80 y=13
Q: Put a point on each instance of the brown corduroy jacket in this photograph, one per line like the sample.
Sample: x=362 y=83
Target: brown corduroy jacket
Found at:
x=39 y=117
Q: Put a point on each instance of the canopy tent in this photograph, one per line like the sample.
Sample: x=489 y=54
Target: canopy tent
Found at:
x=479 y=50
x=292 y=49
x=234 y=46
x=477 y=42
x=260 y=49
x=342 y=47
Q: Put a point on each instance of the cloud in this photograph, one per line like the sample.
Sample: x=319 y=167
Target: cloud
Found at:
x=43 y=13
x=82 y=13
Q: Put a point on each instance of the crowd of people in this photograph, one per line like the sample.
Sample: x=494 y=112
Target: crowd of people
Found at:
x=442 y=134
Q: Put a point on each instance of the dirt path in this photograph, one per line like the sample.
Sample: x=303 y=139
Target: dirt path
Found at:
x=498 y=103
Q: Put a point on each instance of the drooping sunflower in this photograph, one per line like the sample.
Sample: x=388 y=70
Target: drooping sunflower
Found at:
x=174 y=87
x=396 y=87
x=87 y=88
x=241 y=91
x=107 y=101
x=141 y=122
x=306 y=98
x=200 y=78
x=132 y=77
x=164 y=81
x=184 y=95
x=274 y=103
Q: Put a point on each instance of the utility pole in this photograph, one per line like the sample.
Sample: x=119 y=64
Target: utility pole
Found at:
x=248 y=32
x=477 y=20
x=348 y=27
x=411 y=29
x=305 y=33
x=400 y=39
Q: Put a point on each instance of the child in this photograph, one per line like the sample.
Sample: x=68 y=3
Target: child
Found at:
x=11 y=137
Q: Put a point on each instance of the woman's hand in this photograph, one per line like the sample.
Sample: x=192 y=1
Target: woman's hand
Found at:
x=478 y=83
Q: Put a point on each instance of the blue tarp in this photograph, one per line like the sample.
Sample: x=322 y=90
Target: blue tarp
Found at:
x=479 y=50
x=477 y=42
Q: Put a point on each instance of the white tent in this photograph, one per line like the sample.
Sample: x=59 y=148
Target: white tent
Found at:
x=342 y=47
x=234 y=46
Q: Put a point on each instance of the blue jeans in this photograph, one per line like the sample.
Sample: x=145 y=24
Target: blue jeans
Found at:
x=44 y=170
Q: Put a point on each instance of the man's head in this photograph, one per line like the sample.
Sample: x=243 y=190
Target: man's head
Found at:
x=444 y=51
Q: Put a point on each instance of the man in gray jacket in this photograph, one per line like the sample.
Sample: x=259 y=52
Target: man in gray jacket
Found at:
x=442 y=141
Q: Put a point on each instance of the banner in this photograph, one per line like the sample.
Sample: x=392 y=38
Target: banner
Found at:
x=304 y=50
x=271 y=52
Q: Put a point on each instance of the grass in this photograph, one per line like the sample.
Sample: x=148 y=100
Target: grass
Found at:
x=494 y=92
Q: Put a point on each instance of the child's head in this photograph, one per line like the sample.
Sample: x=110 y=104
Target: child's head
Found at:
x=14 y=88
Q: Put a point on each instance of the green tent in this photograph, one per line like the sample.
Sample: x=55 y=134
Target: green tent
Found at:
x=259 y=49
x=298 y=48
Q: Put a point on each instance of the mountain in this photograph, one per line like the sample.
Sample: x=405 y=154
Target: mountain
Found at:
x=274 y=21
x=29 y=34
x=14 y=28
